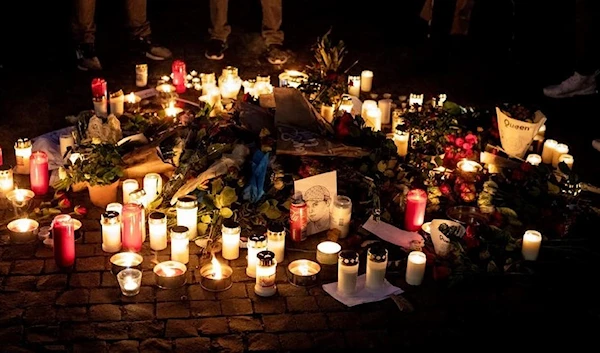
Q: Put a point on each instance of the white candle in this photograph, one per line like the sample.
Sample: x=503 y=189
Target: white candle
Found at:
x=157 y=227
x=111 y=232
x=415 y=99
x=208 y=81
x=534 y=159
x=559 y=150
x=415 y=268
x=101 y=107
x=327 y=252
x=187 y=214
x=354 y=85
x=65 y=141
x=341 y=214
x=372 y=119
x=129 y=186
x=180 y=244
x=347 y=272
x=266 y=270
x=567 y=159
x=22 y=155
x=230 y=238
x=366 y=81
x=385 y=105
x=376 y=268
x=141 y=75
x=366 y=105
x=117 y=104
x=6 y=179
x=401 y=141
x=256 y=244
x=548 y=151
x=532 y=241
x=152 y=186
x=276 y=241
x=327 y=112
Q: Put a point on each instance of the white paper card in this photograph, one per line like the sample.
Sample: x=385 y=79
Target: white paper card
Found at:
x=362 y=295
x=391 y=234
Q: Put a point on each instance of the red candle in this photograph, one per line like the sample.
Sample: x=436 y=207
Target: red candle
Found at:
x=416 y=200
x=99 y=88
x=38 y=172
x=63 y=234
x=179 y=73
x=131 y=223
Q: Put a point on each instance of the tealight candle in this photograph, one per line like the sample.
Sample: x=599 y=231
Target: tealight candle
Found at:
x=130 y=280
x=180 y=244
x=532 y=241
x=354 y=85
x=256 y=244
x=111 y=231
x=415 y=268
x=560 y=149
x=366 y=80
x=327 y=252
x=129 y=186
x=132 y=102
x=376 y=267
x=416 y=202
x=385 y=105
x=401 y=141
x=170 y=274
x=187 y=214
x=125 y=260
x=347 y=272
x=548 y=151
x=567 y=159
x=152 y=185
x=66 y=142
x=216 y=277
x=7 y=183
x=157 y=227
x=171 y=110
x=23 y=230
x=534 y=159
x=468 y=166
x=230 y=238
x=276 y=241
x=22 y=155
x=39 y=178
x=266 y=270
x=341 y=214
x=303 y=272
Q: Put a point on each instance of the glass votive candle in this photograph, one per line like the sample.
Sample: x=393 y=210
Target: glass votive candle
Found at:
x=415 y=267
x=532 y=241
x=341 y=214
x=23 y=230
x=376 y=267
x=130 y=280
x=125 y=260
x=230 y=239
x=266 y=269
x=180 y=244
x=303 y=272
x=347 y=272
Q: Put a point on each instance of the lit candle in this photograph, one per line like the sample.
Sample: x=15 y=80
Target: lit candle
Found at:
x=157 y=227
x=256 y=244
x=276 y=241
x=534 y=159
x=111 y=231
x=7 y=183
x=141 y=75
x=152 y=185
x=401 y=141
x=266 y=269
x=23 y=230
x=347 y=272
x=415 y=99
x=354 y=85
x=171 y=110
x=366 y=81
x=22 y=155
x=208 y=81
x=230 y=238
x=129 y=186
x=187 y=214
x=468 y=166
x=117 y=103
x=170 y=274
x=567 y=159
x=216 y=277
x=327 y=112
x=63 y=234
x=130 y=280
x=66 y=141
x=416 y=201
x=532 y=241
x=415 y=268
x=230 y=82
x=327 y=252
x=372 y=119
x=376 y=267
x=559 y=150
x=38 y=172
x=548 y=151
x=366 y=105
x=180 y=244
x=341 y=214
x=179 y=72
x=303 y=272
x=125 y=260
x=131 y=227
x=385 y=105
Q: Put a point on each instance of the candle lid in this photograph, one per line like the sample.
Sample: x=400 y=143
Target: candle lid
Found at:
x=266 y=258
x=348 y=257
x=23 y=143
x=187 y=201
x=230 y=223
x=156 y=215
x=180 y=229
x=137 y=195
x=377 y=253
x=110 y=217
x=257 y=239
x=276 y=227
x=5 y=167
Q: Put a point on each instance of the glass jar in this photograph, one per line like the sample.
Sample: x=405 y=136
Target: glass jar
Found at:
x=157 y=227
x=376 y=267
x=130 y=280
x=262 y=86
x=208 y=81
x=180 y=244
x=179 y=72
x=256 y=244
x=63 y=234
x=139 y=197
x=276 y=240
x=187 y=214
x=22 y=155
x=230 y=82
x=152 y=186
x=347 y=272
x=131 y=227
x=111 y=231
x=6 y=179
x=230 y=238
x=341 y=213
x=266 y=270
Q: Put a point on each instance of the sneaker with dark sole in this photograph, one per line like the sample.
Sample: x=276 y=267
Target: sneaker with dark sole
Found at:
x=152 y=50
x=276 y=55
x=215 y=49
x=86 y=57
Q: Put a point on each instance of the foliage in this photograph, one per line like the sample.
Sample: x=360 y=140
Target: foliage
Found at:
x=100 y=164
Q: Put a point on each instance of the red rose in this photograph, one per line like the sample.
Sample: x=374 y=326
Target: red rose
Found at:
x=526 y=167
x=518 y=175
x=449 y=155
x=471 y=240
x=459 y=142
x=445 y=189
x=331 y=76
x=64 y=203
x=80 y=210
x=342 y=127
x=450 y=138
x=467 y=146
x=470 y=138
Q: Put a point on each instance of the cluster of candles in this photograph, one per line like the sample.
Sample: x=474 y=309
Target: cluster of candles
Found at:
x=553 y=152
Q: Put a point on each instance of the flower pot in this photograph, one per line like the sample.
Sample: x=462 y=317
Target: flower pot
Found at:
x=102 y=195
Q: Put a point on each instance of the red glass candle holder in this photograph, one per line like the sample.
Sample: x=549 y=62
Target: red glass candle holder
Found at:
x=179 y=72
x=414 y=216
x=99 y=88
x=63 y=235
x=38 y=172
x=131 y=227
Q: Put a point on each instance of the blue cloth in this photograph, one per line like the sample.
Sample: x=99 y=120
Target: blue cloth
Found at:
x=255 y=189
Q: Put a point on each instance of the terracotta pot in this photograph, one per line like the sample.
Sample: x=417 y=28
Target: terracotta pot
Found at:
x=102 y=195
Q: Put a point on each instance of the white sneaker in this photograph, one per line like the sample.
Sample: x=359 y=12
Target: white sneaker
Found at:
x=596 y=144
x=575 y=85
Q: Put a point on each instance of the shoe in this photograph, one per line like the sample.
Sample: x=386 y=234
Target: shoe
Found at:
x=86 y=57
x=576 y=85
x=596 y=144
x=276 y=55
x=152 y=50
x=215 y=49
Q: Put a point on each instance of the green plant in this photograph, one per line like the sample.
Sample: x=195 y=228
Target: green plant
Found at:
x=100 y=164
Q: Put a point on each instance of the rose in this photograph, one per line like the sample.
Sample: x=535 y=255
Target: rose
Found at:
x=526 y=167
x=450 y=138
x=459 y=142
x=58 y=195
x=470 y=238
x=467 y=146
x=445 y=189
x=80 y=210
x=64 y=203
x=342 y=127
x=470 y=138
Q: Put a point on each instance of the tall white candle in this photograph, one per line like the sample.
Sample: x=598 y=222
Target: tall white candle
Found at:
x=415 y=268
x=180 y=244
x=354 y=85
x=117 y=104
x=157 y=227
x=187 y=214
x=256 y=244
x=559 y=150
x=65 y=141
x=152 y=186
x=6 y=179
x=111 y=232
x=376 y=268
x=276 y=241
x=230 y=237
x=532 y=240
x=347 y=272
x=327 y=112
x=101 y=107
x=341 y=214
x=401 y=141
x=366 y=80
x=548 y=151
x=129 y=186
x=567 y=159
x=372 y=119
x=534 y=159
x=22 y=155
x=266 y=271
x=385 y=105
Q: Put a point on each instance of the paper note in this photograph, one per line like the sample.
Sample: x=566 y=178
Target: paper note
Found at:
x=391 y=234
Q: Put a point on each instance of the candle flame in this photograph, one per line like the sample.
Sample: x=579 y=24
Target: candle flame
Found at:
x=469 y=166
x=216 y=267
x=23 y=225
x=169 y=271
x=19 y=196
x=131 y=98
x=303 y=269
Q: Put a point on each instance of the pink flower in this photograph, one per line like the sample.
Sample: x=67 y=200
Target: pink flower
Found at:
x=467 y=146
x=58 y=195
x=470 y=138
x=80 y=210
x=450 y=138
x=459 y=141
x=64 y=203
x=445 y=189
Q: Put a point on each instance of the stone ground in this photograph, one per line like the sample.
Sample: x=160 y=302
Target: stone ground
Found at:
x=44 y=310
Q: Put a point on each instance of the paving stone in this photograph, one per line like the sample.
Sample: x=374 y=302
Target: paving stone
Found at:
x=146 y=295
x=135 y=312
x=236 y=307
x=367 y=339
x=105 y=312
x=212 y=326
x=42 y=298
x=11 y=334
x=279 y=323
x=148 y=278
x=72 y=331
x=88 y=279
x=193 y=345
x=301 y=304
x=10 y=316
x=172 y=295
x=56 y=348
x=196 y=292
x=244 y=324
x=258 y=342
x=109 y=280
x=15 y=252
x=317 y=291
x=44 y=252
x=125 y=346
x=77 y=313
x=374 y=319
x=289 y=290
x=5 y=267
x=38 y=315
x=112 y=330
x=85 y=250
x=145 y=329
x=155 y=345
x=239 y=275
x=92 y=237
x=96 y=263
x=333 y=340
x=294 y=341
x=327 y=303
x=90 y=347
x=310 y=321
x=19 y=283
x=237 y=290
x=229 y=344
x=74 y=297
x=27 y=267
x=57 y=281
x=104 y=295
x=181 y=328
x=50 y=266
x=205 y=308
x=172 y=310
x=42 y=334
x=344 y=320
x=239 y=262
x=271 y=305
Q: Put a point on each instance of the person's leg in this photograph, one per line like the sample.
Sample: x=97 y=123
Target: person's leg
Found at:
x=587 y=36
x=220 y=28
x=272 y=16
x=83 y=25
x=462 y=17
x=140 y=31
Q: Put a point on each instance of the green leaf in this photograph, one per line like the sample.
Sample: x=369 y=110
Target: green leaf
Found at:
x=156 y=203
x=206 y=219
x=264 y=207
x=509 y=212
x=217 y=186
x=287 y=204
x=273 y=213
x=553 y=189
x=228 y=196
x=202 y=227
x=226 y=212
x=438 y=161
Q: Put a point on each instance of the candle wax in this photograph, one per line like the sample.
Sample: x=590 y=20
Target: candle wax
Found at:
x=169 y=271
